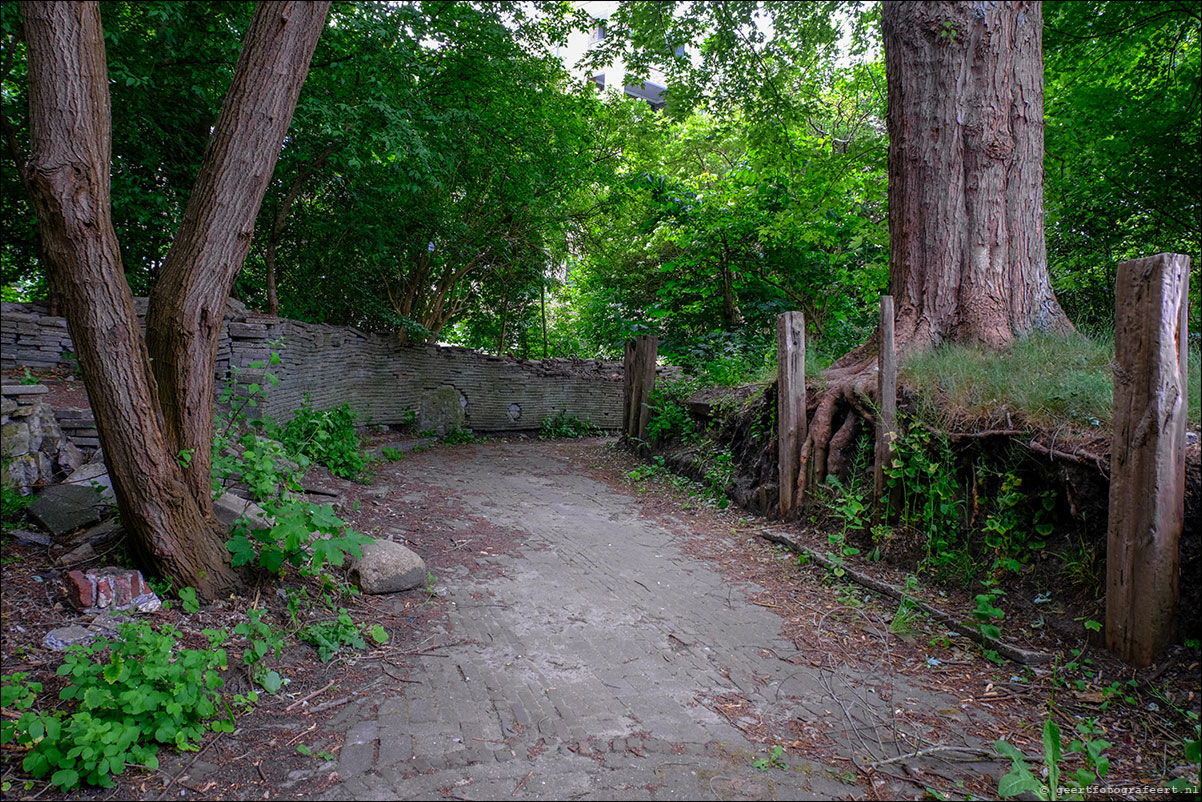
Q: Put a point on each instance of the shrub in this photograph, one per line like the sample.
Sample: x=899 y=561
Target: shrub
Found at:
x=564 y=425
x=131 y=696
x=325 y=436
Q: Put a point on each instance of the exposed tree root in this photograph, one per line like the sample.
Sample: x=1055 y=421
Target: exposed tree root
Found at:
x=848 y=398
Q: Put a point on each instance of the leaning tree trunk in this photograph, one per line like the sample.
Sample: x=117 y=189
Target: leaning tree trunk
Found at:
x=147 y=419
x=187 y=304
x=967 y=260
x=69 y=167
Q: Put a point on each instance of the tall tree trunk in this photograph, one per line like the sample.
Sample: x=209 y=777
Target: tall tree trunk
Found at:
x=965 y=120
x=147 y=418
x=967 y=260
x=187 y=304
x=70 y=132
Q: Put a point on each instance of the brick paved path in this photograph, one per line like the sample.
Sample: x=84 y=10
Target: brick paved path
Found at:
x=580 y=668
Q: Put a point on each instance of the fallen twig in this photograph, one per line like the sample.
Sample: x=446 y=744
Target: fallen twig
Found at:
x=324 y=706
x=288 y=709
x=523 y=782
x=312 y=727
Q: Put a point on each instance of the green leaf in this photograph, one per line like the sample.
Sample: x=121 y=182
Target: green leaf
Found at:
x=115 y=668
x=1051 y=752
x=65 y=779
x=272 y=682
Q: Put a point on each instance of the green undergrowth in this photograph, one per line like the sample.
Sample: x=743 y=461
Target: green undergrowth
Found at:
x=326 y=437
x=128 y=696
x=563 y=425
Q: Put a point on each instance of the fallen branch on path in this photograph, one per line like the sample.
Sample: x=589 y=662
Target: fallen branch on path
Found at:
x=968 y=755
x=1017 y=654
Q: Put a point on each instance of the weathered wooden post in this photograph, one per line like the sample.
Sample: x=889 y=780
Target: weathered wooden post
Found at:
x=886 y=425
x=1147 y=466
x=638 y=382
x=790 y=404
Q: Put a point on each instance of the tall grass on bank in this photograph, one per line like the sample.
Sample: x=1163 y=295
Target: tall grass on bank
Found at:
x=1042 y=380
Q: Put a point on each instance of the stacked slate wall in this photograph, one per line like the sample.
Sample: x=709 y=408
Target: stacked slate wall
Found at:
x=383 y=381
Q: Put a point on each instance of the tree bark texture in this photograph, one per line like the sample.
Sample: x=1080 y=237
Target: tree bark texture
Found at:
x=965 y=122
x=1147 y=475
x=187 y=304
x=790 y=406
x=639 y=381
x=70 y=131
x=886 y=397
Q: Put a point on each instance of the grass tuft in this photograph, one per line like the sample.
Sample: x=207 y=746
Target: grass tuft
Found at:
x=1042 y=380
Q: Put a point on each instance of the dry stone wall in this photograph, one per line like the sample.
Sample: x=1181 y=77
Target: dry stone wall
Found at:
x=383 y=381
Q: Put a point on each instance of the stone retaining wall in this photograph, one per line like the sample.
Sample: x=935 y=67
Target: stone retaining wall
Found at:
x=382 y=381
x=34 y=447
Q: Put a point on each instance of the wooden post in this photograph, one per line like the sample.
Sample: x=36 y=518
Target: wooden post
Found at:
x=1147 y=470
x=886 y=425
x=790 y=405
x=638 y=382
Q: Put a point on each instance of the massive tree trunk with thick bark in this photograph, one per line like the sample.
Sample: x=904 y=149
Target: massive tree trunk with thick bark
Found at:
x=965 y=120
x=967 y=260
x=144 y=422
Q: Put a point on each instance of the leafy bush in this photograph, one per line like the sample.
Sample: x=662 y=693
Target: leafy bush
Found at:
x=1046 y=783
x=325 y=436
x=131 y=696
x=263 y=464
x=1018 y=524
x=261 y=638
x=564 y=425
x=669 y=418
x=459 y=436
x=921 y=478
x=290 y=541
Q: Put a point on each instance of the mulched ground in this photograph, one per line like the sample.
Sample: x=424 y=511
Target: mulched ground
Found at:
x=830 y=622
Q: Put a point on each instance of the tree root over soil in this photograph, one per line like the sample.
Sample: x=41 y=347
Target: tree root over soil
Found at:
x=835 y=419
x=1019 y=655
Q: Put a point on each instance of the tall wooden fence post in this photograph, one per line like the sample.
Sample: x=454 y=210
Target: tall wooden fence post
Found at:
x=790 y=405
x=1147 y=470
x=886 y=425
x=638 y=382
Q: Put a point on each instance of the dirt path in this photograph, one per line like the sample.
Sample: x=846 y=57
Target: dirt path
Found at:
x=602 y=655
